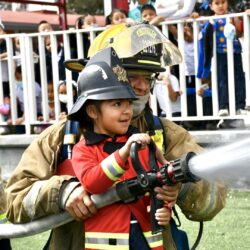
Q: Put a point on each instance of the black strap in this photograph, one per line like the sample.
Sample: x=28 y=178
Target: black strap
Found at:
x=71 y=127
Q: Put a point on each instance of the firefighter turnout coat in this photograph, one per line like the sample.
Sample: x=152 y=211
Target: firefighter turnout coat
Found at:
x=35 y=190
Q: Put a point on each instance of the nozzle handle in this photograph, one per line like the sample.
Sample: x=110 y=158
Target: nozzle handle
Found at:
x=155 y=204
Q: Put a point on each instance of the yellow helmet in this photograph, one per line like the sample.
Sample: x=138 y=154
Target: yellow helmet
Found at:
x=140 y=46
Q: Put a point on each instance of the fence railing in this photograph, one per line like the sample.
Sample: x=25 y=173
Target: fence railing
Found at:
x=34 y=63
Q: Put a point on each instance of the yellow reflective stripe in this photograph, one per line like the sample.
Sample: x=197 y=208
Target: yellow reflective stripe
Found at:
x=154 y=240
x=2 y=216
x=149 y=62
x=3 y=219
x=111 y=168
x=158 y=139
x=109 y=247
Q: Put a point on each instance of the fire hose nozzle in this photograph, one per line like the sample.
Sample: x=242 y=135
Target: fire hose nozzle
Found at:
x=178 y=171
x=182 y=171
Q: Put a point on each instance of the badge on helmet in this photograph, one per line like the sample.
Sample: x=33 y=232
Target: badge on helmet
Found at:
x=103 y=78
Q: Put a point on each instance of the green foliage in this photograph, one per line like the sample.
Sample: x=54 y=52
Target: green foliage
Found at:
x=229 y=230
x=87 y=6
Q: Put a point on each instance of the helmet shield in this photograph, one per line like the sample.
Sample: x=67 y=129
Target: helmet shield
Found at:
x=140 y=46
x=103 y=78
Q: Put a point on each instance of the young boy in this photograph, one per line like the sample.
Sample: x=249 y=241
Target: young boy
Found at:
x=220 y=7
x=104 y=111
x=148 y=13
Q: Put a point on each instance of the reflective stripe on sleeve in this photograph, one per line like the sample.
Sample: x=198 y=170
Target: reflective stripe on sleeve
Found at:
x=111 y=241
x=3 y=218
x=30 y=199
x=111 y=168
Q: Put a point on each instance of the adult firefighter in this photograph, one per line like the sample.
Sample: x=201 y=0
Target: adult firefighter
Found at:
x=35 y=189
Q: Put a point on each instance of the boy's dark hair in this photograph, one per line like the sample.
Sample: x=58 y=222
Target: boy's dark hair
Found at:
x=204 y=8
x=148 y=7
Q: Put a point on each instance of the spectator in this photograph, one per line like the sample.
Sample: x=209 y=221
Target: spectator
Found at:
x=87 y=21
x=118 y=16
x=135 y=11
x=17 y=51
x=174 y=9
x=167 y=89
x=20 y=98
x=148 y=13
x=63 y=98
x=220 y=7
x=44 y=26
x=5 y=106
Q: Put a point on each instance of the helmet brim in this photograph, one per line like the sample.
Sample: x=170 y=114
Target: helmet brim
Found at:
x=124 y=92
x=76 y=65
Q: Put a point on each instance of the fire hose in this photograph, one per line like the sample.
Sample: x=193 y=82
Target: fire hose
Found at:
x=126 y=191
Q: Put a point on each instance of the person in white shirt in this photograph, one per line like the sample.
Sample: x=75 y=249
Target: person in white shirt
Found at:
x=167 y=92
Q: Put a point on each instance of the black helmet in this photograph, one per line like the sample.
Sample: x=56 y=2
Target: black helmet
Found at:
x=103 y=78
x=140 y=46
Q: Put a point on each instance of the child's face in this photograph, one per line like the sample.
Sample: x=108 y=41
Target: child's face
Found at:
x=89 y=21
x=62 y=89
x=118 y=18
x=148 y=15
x=114 y=117
x=220 y=7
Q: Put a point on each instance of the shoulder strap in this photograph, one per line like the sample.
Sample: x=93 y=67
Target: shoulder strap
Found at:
x=71 y=136
x=158 y=126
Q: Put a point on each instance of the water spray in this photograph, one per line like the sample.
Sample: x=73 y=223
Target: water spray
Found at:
x=229 y=163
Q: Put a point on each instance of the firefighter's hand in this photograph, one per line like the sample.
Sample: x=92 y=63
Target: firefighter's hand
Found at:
x=168 y=194
x=79 y=204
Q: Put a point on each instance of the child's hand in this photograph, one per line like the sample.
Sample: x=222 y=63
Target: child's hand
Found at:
x=163 y=216
x=141 y=138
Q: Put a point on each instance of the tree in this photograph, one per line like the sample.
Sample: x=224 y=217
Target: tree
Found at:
x=86 y=6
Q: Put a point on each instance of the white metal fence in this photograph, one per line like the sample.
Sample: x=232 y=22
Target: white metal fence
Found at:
x=30 y=42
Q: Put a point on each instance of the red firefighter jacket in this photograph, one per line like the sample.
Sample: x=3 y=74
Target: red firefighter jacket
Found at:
x=98 y=170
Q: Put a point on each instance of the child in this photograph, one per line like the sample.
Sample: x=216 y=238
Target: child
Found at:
x=118 y=16
x=20 y=97
x=168 y=84
x=148 y=13
x=86 y=21
x=220 y=7
x=104 y=111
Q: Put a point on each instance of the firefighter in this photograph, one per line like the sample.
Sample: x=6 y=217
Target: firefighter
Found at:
x=35 y=190
x=104 y=156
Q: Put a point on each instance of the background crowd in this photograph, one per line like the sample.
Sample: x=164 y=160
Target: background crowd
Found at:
x=167 y=86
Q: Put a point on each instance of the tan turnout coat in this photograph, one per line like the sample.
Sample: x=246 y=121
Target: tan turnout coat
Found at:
x=199 y=202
